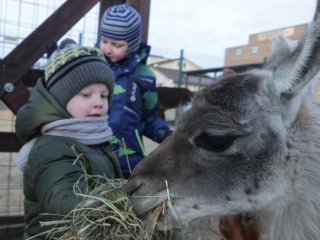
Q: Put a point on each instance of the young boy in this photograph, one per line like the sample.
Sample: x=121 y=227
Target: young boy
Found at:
x=65 y=116
x=134 y=104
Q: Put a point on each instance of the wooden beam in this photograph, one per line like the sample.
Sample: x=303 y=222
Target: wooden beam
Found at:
x=16 y=96
x=143 y=7
x=9 y=142
x=30 y=77
x=20 y=60
x=11 y=227
x=104 y=4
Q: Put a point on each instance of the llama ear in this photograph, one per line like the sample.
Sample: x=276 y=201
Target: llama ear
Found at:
x=299 y=69
x=281 y=49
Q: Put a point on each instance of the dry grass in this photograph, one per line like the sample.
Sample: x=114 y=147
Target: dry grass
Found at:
x=105 y=213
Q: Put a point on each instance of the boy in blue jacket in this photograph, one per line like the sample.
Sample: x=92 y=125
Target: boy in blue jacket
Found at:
x=133 y=107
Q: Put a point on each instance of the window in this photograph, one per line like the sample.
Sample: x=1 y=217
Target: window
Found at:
x=238 y=51
x=254 y=49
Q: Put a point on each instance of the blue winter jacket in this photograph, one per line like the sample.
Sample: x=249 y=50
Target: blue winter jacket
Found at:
x=132 y=111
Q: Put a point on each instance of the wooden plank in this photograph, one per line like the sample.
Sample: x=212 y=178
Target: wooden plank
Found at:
x=30 y=77
x=9 y=142
x=20 y=60
x=143 y=7
x=12 y=227
x=11 y=220
x=44 y=36
x=12 y=231
x=18 y=97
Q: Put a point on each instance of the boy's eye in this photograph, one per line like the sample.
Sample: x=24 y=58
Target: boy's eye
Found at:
x=214 y=143
x=118 y=45
x=85 y=94
x=104 y=95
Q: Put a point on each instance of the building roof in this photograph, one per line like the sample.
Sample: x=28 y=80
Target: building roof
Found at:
x=163 y=60
x=186 y=79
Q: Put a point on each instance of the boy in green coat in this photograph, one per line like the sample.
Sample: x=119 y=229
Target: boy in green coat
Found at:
x=65 y=116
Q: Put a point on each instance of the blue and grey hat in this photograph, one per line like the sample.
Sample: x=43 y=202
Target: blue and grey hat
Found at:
x=122 y=22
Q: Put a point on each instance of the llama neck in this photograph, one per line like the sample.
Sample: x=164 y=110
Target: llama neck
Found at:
x=297 y=215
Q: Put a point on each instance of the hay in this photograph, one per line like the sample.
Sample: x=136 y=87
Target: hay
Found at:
x=104 y=213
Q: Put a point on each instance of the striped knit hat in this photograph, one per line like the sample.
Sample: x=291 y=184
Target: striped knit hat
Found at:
x=122 y=22
x=72 y=68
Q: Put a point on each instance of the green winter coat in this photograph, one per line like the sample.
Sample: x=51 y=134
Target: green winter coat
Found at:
x=50 y=172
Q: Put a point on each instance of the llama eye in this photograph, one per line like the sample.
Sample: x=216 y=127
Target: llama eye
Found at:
x=214 y=143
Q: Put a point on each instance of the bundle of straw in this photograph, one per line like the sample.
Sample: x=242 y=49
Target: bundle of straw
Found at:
x=105 y=213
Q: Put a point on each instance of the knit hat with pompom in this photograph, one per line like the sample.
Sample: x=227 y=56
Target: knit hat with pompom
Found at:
x=74 y=67
x=122 y=22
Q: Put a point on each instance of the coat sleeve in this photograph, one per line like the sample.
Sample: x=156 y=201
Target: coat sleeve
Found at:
x=54 y=179
x=153 y=126
x=59 y=196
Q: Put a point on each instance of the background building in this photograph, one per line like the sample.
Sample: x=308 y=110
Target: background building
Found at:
x=258 y=50
x=167 y=73
x=259 y=47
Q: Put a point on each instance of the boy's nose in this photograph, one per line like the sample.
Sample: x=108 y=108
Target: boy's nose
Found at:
x=98 y=102
x=108 y=48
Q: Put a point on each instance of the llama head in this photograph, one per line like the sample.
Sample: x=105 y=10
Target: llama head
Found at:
x=231 y=151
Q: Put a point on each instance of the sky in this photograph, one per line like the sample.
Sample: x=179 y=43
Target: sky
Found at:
x=205 y=28
x=202 y=28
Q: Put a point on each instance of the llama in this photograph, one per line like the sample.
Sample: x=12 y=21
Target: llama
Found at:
x=248 y=145
x=169 y=97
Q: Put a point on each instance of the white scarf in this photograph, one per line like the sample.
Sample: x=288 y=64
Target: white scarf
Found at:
x=89 y=131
